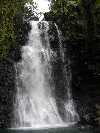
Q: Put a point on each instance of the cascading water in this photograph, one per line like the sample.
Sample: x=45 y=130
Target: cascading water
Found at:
x=35 y=103
x=71 y=114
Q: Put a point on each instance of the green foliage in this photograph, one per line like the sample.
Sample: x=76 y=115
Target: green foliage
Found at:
x=62 y=6
x=8 y=10
x=69 y=15
x=29 y=12
x=77 y=18
x=98 y=2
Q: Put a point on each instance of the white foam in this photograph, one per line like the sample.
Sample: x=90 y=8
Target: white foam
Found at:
x=44 y=127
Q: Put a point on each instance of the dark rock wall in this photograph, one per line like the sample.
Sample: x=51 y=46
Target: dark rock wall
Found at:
x=8 y=73
x=85 y=82
x=7 y=91
x=84 y=64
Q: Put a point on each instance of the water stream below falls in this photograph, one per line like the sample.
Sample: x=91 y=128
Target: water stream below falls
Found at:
x=36 y=103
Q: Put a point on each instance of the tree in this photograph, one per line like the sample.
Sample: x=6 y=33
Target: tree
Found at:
x=8 y=10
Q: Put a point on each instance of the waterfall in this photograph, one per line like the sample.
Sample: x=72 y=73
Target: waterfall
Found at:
x=35 y=103
x=71 y=114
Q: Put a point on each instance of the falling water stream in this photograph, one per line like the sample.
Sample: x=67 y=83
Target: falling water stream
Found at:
x=35 y=104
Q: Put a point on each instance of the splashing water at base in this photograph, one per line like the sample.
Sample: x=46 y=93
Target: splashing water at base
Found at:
x=35 y=104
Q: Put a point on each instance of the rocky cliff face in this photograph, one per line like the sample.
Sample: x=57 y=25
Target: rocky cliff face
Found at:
x=7 y=92
x=85 y=72
x=8 y=73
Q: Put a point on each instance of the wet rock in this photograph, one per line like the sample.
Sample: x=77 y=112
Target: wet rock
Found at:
x=7 y=92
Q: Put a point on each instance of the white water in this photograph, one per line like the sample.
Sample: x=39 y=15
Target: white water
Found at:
x=71 y=113
x=35 y=105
